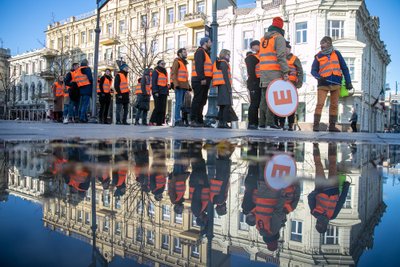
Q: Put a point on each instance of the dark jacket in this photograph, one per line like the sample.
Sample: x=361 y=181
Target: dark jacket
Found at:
x=162 y=90
x=199 y=59
x=145 y=80
x=299 y=69
x=121 y=98
x=224 y=91
x=87 y=89
x=251 y=62
x=354 y=118
x=102 y=82
x=73 y=90
x=333 y=79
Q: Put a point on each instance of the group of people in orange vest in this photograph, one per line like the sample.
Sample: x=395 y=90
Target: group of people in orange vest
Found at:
x=270 y=59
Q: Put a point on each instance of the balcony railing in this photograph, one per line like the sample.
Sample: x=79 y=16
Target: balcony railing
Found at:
x=108 y=39
x=194 y=20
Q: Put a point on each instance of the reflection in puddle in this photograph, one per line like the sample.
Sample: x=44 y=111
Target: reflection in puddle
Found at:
x=179 y=202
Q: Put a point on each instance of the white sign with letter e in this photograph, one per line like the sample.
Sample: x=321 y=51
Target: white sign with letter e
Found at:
x=282 y=98
x=280 y=172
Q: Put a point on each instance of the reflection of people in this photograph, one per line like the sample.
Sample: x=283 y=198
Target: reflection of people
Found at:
x=120 y=173
x=329 y=195
x=179 y=175
x=199 y=185
x=141 y=170
x=158 y=170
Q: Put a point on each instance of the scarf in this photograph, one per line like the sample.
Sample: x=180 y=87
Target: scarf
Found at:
x=328 y=50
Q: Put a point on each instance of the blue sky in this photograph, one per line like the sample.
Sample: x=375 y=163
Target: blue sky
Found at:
x=24 y=23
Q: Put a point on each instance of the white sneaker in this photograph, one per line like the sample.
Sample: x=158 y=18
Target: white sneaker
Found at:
x=65 y=121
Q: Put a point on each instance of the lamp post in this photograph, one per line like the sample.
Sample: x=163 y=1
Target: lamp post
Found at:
x=212 y=95
x=100 y=4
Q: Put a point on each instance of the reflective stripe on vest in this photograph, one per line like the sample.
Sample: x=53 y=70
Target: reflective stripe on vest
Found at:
x=258 y=70
x=59 y=89
x=268 y=58
x=207 y=65
x=326 y=204
x=218 y=77
x=80 y=78
x=264 y=211
x=106 y=86
x=162 y=79
x=180 y=188
x=182 y=72
x=292 y=69
x=215 y=188
x=123 y=84
x=329 y=65
x=160 y=181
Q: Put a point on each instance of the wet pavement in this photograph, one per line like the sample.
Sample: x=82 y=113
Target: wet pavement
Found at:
x=177 y=202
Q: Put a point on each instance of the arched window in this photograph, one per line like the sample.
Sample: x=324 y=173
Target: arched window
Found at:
x=19 y=92
x=14 y=93
x=33 y=91
x=26 y=89
x=39 y=89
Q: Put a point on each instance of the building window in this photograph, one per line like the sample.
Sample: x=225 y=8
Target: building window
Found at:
x=118 y=228
x=59 y=43
x=139 y=207
x=166 y=213
x=154 y=19
x=200 y=7
x=194 y=223
x=154 y=46
x=106 y=224
x=139 y=234
x=301 y=32
x=26 y=94
x=66 y=40
x=91 y=36
x=336 y=29
x=347 y=203
x=87 y=218
x=91 y=59
x=108 y=54
x=170 y=15
x=178 y=218
x=33 y=95
x=79 y=216
x=143 y=21
x=296 y=231
x=76 y=39
x=177 y=245
x=52 y=44
x=121 y=26
x=39 y=90
x=150 y=237
x=109 y=29
x=182 y=12
x=151 y=210
x=33 y=67
x=26 y=68
x=304 y=64
x=247 y=39
x=242 y=222
x=245 y=111
x=121 y=52
x=195 y=251
x=221 y=42
x=117 y=203
x=169 y=43
x=199 y=35
x=106 y=200
x=350 y=65
x=165 y=241
x=83 y=37
x=182 y=41
x=331 y=236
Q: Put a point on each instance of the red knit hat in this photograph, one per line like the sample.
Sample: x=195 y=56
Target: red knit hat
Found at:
x=277 y=22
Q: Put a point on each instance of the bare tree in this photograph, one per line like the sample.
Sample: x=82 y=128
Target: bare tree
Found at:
x=7 y=82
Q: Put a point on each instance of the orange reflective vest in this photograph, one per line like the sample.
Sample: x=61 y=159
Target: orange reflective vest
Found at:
x=268 y=58
x=257 y=70
x=80 y=78
x=123 y=84
x=161 y=181
x=180 y=189
x=329 y=65
x=106 y=86
x=138 y=90
x=326 y=204
x=264 y=211
x=289 y=192
x=66 y=91
x=58 y=89
x=292 y=69
x=218 y=77
x=162 y=79
x=78 y=178
x=207 y=65
x=122 y=174
x=182 y=72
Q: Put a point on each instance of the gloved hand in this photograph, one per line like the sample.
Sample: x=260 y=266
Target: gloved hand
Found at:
x=349 y=86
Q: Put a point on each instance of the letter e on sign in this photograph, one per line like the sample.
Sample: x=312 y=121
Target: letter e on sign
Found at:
x=282 y=98
x=280 y=171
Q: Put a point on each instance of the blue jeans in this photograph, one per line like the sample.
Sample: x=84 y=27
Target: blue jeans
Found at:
x=85 y=100
x=179 y=96
x=66 y=109
x=73 y=109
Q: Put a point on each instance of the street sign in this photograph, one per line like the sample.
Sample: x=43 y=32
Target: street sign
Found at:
x=280 y=171
x=101 y=3
x=208 y=31
x=282 y=98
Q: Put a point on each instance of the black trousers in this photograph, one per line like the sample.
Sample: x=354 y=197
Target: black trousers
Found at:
x=281 y=120
x=255 y=98
x=354 y=127
x=160 y=107
x=143 y=114
x=120 y=106
x=199 y=101
x=104 y=106
x=224 y=113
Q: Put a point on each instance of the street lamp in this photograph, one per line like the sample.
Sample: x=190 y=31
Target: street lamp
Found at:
x=100 y=4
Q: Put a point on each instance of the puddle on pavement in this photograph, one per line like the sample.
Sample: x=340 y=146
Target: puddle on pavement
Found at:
x=198 y=203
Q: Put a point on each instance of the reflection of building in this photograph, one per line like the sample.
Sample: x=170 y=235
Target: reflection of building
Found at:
x=135 y=226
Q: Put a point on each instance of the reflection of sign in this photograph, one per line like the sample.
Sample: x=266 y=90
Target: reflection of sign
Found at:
x=280 y=171
x=282 y=98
